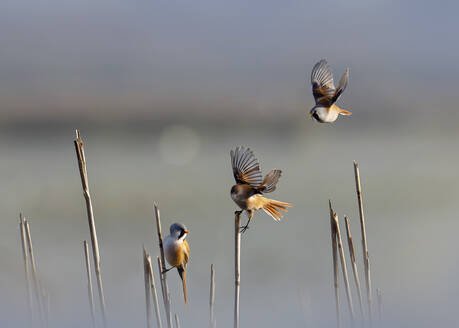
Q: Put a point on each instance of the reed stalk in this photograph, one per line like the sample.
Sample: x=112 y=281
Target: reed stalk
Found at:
x=379 y=295
x=344 y=266
x=165 y=289
x=177 y=322
x=90 y=288
x=350 y=243
x=366 y=257
x=335 y=263
x=153 y=292
x=35 y=279
x=212 y=297
x=79 y=148
x=237 y=266
x=146 y=275
x=26 y=267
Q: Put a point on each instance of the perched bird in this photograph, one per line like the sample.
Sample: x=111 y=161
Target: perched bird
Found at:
x=248 y=191
x=325 y=94
x=177 y=251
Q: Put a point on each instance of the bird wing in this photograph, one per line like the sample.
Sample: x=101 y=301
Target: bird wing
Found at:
x=323 y=87
x=341 y=85
x=246 y=169
x=270 y=181
x=186 y=251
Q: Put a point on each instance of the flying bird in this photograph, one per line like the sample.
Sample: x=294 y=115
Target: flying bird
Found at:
x=177 y=251
x=248 y=191
x=325 y=93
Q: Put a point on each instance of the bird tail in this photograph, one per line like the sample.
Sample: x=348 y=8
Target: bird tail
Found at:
x=344 y=112
x=272 y=207
x=182 y=274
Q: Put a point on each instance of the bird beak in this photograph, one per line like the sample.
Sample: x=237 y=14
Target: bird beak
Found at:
x=310 y=114
x=186 y=231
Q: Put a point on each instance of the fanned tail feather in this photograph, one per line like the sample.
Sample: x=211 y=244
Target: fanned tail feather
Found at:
x=273 y=207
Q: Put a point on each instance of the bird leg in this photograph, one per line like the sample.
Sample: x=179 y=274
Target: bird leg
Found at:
x=167 y=270
x=244 y=228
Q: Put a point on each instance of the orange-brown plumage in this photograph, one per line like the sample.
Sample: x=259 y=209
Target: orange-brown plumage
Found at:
x=249 y=188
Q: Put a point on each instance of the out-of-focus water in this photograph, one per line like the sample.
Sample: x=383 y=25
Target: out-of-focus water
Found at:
x=410 y=186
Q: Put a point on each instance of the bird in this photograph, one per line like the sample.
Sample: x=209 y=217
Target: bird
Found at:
x=177 y=252
x=248 y=191
x=325 y=93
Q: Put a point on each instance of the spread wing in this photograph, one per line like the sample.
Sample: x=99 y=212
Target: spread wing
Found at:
x=341 y=85
x=246 y=169
x=323 y=87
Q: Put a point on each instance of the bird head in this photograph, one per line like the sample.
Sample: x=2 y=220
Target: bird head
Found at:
x=178 y=231
x=318 y=113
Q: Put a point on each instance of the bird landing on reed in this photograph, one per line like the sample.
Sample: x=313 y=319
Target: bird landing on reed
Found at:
x=248 y=191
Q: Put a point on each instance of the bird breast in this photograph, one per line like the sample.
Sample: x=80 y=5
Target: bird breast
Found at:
x=173 y=251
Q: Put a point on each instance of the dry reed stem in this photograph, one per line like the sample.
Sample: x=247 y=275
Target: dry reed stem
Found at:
x=153 y=292
x=237 y=265
x=177 y=322
x=79 y=148
x=354 y=264
x=166 y=295
x=344 y=267
x=26 y=267
x=35 y=279
x=146 y=275
x=212 y=296
x=335 y=262
x=165 y=289
x=366 y=257
x=379 y=295
x=90 y=289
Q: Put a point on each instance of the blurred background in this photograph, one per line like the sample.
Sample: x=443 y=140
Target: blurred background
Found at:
x=162 y=90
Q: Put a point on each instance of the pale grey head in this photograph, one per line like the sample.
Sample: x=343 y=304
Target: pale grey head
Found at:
x=178 y=230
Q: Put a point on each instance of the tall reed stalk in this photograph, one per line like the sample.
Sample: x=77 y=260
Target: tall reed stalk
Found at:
x=90 y=289
x=237 y=265
x=212 y=297
x=35 y=278
x=26 y=268
x=343 y=266
x=146 y=275
x=79 y=148
x=153 y=292
x=335 y=263
x=354 y=264
x=366 y=257
x=165 y=289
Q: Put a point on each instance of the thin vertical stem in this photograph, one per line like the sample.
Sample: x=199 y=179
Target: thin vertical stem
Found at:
x=366 y=257
x=166 y=296
x=177 y=322
x=26 y=266
x=237 y=265
x=212 y=296
x=379 y=295
x=153 y=292
x=90 y=290
x=335 y=262
x=79 y=148
x=354 y=264
x=344 y=267
x=146 y=275
x=35 y=279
